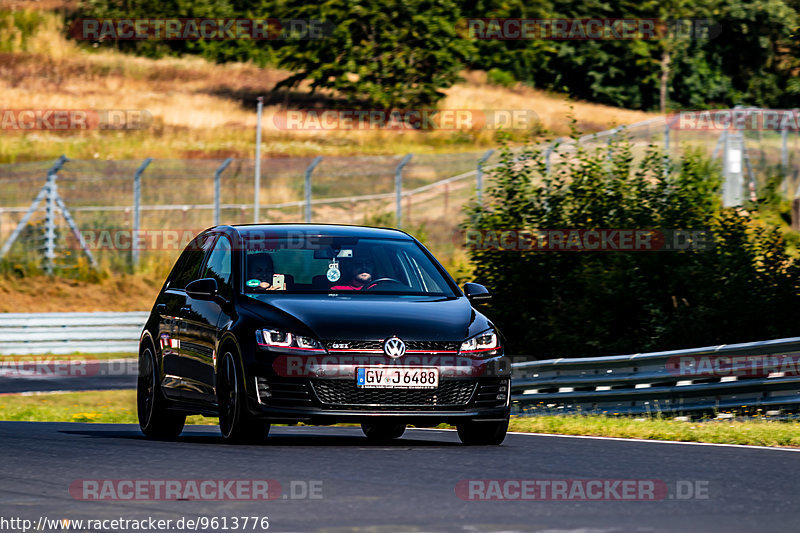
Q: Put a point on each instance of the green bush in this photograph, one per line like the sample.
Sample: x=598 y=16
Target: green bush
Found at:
x=574 y=304
x=502 y=78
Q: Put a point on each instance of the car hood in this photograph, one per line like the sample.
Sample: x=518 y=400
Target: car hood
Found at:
x=372 y=317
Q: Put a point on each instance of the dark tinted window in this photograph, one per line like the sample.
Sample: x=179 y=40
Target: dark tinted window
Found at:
x=320 y=263
x=219 y=266
x=188 y=266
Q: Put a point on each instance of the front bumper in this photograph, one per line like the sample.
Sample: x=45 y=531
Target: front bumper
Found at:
x=322 y=390
x=321 y=401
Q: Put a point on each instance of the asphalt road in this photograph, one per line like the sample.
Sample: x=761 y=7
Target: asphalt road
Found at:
x=407 y=486
x=50 y=374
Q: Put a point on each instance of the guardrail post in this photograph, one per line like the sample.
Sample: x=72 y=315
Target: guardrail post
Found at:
x=217 y=192
x=137 y=201
x=398 y=189
x=479 y=175
x=309 y=170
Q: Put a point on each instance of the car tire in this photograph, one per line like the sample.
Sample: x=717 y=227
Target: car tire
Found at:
x=235 y=424
x=383 y=430
x=483 y=433
x=155 y=420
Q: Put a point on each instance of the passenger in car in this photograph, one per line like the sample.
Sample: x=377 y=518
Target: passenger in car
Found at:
x=261 y=273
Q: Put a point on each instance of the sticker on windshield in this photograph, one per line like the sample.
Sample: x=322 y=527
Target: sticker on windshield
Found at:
x=253 y=282
x=333 y=272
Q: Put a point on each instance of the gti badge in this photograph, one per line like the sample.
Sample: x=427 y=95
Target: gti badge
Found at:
x=394 y=347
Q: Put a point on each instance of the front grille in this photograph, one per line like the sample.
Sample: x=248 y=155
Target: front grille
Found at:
x=428 y=346
x=453 y=393
x=283 y=392
x=433 y=346
x=357 y=345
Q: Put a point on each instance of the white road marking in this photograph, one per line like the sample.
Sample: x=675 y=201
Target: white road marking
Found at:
x=633 y=440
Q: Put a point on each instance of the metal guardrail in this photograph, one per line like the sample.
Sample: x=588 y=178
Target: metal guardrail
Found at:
x=64 y=333
x=663 y=382
x=650 y=383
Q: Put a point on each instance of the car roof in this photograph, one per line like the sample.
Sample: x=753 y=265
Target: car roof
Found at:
x=334 y=230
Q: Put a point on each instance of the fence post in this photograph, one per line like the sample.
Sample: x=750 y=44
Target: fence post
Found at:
x=137 y=201
x=666 y=146
x=732 y=160
x=34 y=205
x=50 y=223
x=217 y=193
x=479 y=175
x=257 y=184
x=785 y=159
x=547 y=154
x=398 y=189
x=309 y=170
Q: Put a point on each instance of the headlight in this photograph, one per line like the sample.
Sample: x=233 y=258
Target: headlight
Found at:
x=284 y=339
x=483 y=342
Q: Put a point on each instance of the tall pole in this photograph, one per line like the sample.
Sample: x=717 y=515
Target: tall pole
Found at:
x=137 y=200
x=398 y=189
x=307 y=186
x=217 y=187
x=256 y=198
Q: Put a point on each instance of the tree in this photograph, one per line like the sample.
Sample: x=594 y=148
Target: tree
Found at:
x=380 y=54
x=573 y=304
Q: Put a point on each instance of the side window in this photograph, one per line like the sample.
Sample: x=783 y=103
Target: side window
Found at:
x=188 y=266
x=219 y=267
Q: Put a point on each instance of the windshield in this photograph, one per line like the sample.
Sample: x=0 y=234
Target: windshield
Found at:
x=310 y=263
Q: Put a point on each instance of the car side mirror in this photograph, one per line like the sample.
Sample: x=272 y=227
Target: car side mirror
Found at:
x=476 y=292
x=202 y=289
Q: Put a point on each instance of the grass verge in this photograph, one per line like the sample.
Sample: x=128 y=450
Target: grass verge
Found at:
x=119 y=407
x=108 y=407
x=756 y=432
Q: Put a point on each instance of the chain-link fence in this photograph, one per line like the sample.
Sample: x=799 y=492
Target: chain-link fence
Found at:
x=182 y=197
x=425 y=192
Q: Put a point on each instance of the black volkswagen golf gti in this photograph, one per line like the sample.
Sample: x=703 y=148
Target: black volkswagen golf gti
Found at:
x=263 y=324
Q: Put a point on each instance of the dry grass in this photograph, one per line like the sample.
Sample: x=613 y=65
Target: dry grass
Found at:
x=202 y=109
x=42 y=294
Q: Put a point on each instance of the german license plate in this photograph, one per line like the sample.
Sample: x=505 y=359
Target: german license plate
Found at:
x=383 y=377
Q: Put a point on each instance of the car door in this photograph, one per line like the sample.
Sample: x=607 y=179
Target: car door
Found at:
x=171 y=306
x=198 y=335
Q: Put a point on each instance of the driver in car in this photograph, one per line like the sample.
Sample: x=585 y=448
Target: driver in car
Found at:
x=361 y=277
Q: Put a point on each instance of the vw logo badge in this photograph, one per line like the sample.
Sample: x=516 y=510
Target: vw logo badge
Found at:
x=394 y=347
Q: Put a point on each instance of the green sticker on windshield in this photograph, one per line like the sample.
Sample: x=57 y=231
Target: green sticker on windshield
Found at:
x=253 y=282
